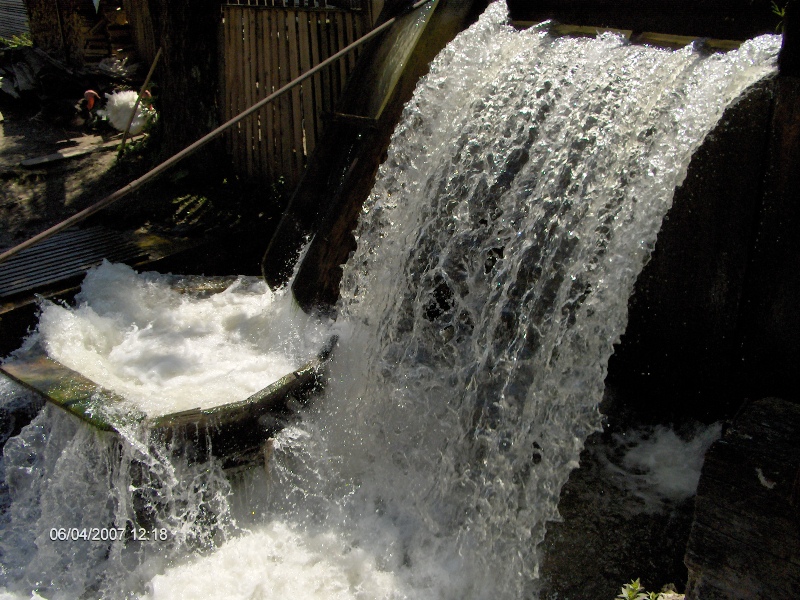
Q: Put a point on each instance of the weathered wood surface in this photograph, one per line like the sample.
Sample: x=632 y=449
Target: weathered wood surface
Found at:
x=745 y=539
x=141 y=28
x=770 y=320
x=265 y=48
x=725 y=19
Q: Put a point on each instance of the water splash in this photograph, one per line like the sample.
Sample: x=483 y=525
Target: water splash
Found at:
x=167 y=351
x=77 y=494
x=521 y=196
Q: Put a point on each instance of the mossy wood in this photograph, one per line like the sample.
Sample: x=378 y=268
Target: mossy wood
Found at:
x=232 y=432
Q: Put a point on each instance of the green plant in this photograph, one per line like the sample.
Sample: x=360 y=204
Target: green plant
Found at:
x=779 y=12
x=635 y=591
x=17 y=41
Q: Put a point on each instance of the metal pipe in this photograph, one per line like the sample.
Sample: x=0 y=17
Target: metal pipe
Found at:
x=158 y=170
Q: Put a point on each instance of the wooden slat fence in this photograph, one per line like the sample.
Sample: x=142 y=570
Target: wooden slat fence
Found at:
x=265 y=48
x=13 y=18
x=372 y=7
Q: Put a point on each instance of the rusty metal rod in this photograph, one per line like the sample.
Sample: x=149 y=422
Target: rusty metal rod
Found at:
x=159 y=169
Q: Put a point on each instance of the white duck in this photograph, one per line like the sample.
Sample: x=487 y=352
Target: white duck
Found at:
x=118 y=109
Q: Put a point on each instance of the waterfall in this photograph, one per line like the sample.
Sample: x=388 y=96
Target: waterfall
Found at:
x=521 y=197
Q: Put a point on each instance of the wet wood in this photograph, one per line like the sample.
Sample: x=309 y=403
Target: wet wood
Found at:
x=647 y=38
x=769 y=320
x=734 y=19
x=262 y=32
x=342 y=171
x=234 y=432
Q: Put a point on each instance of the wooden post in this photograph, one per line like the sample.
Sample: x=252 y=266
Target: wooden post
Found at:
x=789 y=58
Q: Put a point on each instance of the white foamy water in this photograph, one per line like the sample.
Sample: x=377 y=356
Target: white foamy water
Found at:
x=521 y=196
x=278 y=561
x=167 y=351
x=658 y=465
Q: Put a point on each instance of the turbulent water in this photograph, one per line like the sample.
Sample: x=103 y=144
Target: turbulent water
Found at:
x=167 y=351
x=521 y=196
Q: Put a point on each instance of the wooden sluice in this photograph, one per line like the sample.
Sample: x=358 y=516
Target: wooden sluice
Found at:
x=235 y=432
x=342 y=170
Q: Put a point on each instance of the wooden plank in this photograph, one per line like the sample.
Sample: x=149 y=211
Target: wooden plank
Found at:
x=67 y=389
x=247 y=80
x=316 y=80
x=229 y=79
x=263 y=80
x=324 y=53
x=273 y=157
x=351 y=56
x=297 y=105
x=228 y=431
x=285 y=100
x=254 y=91
x=359 y=28
x=307 y=89
x=277 y=40
x=341 y=43
x=237 y=89
x=258 y=85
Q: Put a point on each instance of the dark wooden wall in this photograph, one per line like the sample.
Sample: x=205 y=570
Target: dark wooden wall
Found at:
x=722 y=19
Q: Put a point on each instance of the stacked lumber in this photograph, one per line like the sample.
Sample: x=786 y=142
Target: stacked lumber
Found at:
x=107 y=34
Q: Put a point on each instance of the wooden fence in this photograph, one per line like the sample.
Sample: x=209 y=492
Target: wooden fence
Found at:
x=265 y=48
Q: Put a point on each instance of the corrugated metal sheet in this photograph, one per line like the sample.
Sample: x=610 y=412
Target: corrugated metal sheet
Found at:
x=64 y=256
x=13 y=18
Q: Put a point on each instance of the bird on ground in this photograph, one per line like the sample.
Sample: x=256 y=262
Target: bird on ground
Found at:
x=118 y=109
x=66 y=112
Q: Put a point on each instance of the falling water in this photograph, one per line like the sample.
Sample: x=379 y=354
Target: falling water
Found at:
x=521 y=197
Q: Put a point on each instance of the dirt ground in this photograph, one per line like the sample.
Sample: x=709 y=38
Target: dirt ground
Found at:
x=235 y=217
x=35 y=198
